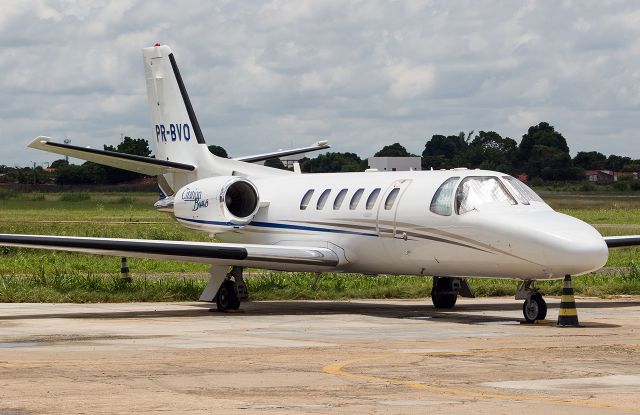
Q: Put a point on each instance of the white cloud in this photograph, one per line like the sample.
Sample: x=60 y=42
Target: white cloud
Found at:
x=408 y=81
x=522 y=119
x=362 y=73
x=539 y=91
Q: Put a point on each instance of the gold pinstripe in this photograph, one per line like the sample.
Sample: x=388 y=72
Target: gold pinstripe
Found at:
x=413 y=230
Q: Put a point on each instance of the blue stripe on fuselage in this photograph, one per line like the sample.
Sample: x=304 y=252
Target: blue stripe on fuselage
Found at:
x=279 y=226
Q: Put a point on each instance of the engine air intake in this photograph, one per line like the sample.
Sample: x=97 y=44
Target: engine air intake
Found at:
x=241 y=199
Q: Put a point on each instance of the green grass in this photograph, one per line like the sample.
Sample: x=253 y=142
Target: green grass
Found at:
x=109 y=215
x=302 y=286
x=74 y=197
x=35 y=275
x=78 y=288
x=62 y=288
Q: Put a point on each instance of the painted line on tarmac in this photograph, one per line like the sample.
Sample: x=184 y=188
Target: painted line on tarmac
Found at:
x=338 y=369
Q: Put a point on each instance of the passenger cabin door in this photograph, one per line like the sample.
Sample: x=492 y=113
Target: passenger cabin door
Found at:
x=388 y=208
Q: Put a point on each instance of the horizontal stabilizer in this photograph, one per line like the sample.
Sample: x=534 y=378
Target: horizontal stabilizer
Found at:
x=622 y=241
x=320 y=145
x=261 y=256
x=139 y=164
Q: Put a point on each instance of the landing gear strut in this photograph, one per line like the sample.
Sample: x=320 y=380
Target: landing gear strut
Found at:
x=444 y=293
x=534 y=307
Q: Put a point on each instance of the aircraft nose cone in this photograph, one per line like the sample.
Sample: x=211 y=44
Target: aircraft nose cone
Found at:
x=558 y=244
x=571 y=246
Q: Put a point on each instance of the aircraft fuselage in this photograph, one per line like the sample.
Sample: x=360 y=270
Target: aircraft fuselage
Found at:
x=527 y=241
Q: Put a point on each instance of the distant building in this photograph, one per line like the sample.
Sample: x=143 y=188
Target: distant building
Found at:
x=608 y=176
x=395 y=163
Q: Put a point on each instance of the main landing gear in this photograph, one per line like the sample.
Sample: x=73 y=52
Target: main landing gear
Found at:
x=444 y=293
x=534 y=307
x=226 y=288
x=232 y=291
x=227 y=297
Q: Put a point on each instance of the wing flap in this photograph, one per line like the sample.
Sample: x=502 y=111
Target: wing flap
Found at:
x=264 y=256
x=139 y=164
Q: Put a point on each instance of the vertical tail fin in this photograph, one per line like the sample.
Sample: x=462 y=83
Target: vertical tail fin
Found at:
x=175 y=130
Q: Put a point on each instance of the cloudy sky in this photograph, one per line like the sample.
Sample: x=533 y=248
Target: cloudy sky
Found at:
x=265 y=75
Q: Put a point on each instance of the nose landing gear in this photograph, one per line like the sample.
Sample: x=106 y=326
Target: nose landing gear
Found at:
x=534 y=307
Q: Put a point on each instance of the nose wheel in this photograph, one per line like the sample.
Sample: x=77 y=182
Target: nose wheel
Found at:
x=534 y=308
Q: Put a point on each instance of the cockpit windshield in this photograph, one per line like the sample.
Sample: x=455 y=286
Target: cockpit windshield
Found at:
x=523 y=193
x=474 y=192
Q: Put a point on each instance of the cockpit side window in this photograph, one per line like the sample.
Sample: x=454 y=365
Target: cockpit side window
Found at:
x=442 y=201
x=521 y=190
x=474 y=192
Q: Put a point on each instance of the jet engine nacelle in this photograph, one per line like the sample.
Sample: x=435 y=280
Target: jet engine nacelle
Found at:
x=224 y=200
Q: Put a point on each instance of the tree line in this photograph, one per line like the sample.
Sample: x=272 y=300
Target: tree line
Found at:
x=542 y=153
x=63 y=173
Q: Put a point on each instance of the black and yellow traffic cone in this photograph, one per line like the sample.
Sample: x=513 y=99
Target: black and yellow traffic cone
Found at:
x=124 y=271
x=568 y=316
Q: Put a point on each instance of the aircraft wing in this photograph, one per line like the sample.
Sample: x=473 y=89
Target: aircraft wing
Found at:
x=622 y=241
x=320 y=145
x=250 y=255
x=140 y=164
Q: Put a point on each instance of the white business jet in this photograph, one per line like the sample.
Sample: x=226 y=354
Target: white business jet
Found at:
x=452 y=224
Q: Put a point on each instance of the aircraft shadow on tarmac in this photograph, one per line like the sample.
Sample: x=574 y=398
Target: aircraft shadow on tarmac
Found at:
x=468 y=313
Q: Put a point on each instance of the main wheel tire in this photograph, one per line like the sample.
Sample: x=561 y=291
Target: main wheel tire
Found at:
x=444 y=301
x=535 y=308
x=227 y=297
